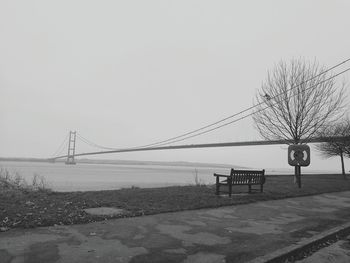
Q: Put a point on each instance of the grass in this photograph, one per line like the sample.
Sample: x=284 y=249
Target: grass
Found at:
x=31 y=208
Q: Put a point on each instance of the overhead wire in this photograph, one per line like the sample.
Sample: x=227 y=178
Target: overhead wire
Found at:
x=245 y=116
x=194 y=132
x=245 y=110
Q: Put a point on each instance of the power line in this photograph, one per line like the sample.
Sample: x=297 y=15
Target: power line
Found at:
x=170 y=140
x=243 y=111
x=194 y=132
x=245 y=116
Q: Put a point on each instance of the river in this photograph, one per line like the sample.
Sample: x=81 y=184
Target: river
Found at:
x=83 y=177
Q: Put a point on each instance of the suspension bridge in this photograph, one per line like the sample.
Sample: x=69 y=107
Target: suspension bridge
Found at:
x=72 y=136
x=70 y=156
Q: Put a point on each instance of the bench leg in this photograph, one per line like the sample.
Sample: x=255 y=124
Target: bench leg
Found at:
x=229 y=181
x=261 y=188
x=217 y=186
x=250 y=188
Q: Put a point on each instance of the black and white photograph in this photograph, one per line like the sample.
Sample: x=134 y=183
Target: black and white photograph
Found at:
x=159 y=131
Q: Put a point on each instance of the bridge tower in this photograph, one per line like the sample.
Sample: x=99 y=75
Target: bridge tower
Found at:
x=71 y=148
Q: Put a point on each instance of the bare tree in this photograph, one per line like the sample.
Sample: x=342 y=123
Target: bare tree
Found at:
x=296 y=101
x=336 y=148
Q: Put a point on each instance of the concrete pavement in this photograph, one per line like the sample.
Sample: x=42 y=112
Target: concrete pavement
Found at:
x=228 y=234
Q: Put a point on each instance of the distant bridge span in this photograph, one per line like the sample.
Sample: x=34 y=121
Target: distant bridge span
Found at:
x=212 y=145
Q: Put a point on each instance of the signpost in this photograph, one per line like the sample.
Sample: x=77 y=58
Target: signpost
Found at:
x=298 y=155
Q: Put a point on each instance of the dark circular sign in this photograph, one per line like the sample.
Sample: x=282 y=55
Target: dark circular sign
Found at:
x=298 y=155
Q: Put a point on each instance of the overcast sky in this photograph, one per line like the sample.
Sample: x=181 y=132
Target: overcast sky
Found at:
x=125 y=73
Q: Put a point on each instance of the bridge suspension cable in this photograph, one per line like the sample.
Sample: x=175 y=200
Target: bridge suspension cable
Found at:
x=210 y=145
x=61 y=148
x=204 y=129
x=170 y=140
x=248 y=115
x=93 y=144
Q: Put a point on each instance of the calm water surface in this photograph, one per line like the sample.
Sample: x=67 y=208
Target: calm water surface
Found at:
x=83 y=177
x=80 y=177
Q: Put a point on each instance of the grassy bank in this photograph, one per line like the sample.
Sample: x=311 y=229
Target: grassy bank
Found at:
x=31 y=208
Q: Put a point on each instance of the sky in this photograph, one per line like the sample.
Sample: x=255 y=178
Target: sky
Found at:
x=129 y=73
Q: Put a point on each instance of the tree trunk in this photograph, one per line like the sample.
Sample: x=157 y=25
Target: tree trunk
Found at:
x=342 y=165
x=297 y=175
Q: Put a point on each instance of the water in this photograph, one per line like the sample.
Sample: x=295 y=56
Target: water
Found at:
x=83 y=177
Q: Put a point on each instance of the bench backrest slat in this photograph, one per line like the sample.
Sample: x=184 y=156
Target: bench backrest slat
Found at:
x=247 y=176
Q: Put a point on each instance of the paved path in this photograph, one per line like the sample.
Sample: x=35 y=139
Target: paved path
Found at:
x=228 y=234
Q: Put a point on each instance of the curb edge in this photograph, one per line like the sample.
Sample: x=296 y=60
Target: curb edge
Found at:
x=282 y=254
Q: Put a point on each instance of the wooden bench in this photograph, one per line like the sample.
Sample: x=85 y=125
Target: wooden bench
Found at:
x=240 y=177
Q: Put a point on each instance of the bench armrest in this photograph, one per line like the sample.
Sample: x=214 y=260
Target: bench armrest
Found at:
x=222 y=175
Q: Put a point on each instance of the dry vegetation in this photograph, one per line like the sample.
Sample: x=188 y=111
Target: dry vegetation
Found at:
x=31 y=206
x=14 y=181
